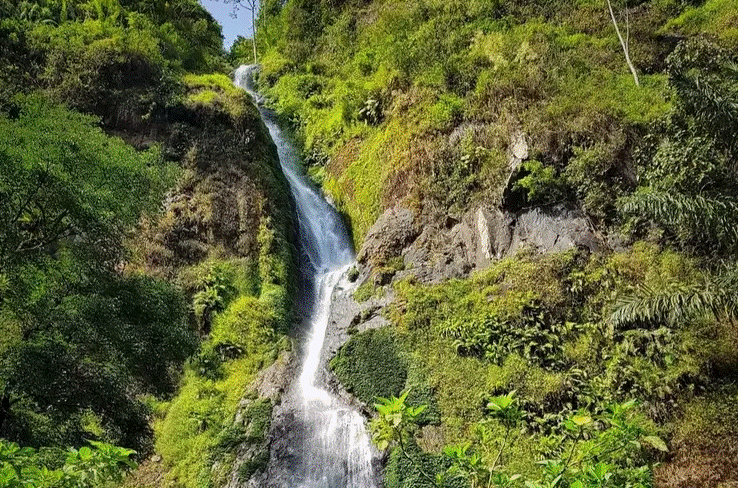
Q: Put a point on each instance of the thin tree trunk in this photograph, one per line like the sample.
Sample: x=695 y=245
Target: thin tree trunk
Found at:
x=624 y=44
x=253 y=32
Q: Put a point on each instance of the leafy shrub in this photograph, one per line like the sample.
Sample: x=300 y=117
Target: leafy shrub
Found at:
x=97 y=338
x=533 y=336
x=218 y=91
x=541 y=184
x=87 y=467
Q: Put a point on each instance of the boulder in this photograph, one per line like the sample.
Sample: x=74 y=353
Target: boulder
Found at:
x=485 y=234
x=391 y=233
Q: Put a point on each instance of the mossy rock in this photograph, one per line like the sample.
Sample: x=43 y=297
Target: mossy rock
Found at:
x=371 y=365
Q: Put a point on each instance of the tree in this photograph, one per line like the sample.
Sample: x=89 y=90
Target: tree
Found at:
x=252 y=7
x=62 y=179
x=78 y=338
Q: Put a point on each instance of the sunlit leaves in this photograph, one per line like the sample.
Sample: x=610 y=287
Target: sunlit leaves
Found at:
x=60 y=177
x=84 y=468
x=395 y=420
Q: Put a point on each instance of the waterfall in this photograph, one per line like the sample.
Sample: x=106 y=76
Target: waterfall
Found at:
x=335 y=449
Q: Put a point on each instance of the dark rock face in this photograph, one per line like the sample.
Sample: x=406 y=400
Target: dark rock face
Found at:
x=553 y=230
x=544 y=230
x=441 y=247
x=286 y=438
x=251 y=464
x=441 y=251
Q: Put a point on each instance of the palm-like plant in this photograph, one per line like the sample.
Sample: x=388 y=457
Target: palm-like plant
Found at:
x=705 y=79
x=677 y=303
x=705 y=224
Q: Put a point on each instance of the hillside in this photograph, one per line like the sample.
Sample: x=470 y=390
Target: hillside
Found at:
x=542 y=199
x=146 y=249
x=554 y=237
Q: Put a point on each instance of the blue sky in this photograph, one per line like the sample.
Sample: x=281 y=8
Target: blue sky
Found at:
x=240 y=26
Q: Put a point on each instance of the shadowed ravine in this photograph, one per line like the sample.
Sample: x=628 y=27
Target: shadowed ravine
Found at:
x=318 y=441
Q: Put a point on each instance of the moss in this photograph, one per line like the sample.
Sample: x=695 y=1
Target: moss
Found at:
x=716 y=18
x=421 y=392
x=246 y=436
x=242 y=275
x=504 y=290
x=219 y=92
x=365 y=291
x=251 y=466
x=703 y=442
x=198 y=421
x=371 y=365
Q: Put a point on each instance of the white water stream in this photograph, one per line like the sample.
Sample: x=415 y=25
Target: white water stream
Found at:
x=337 y=452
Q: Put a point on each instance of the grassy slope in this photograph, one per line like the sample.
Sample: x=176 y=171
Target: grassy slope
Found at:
x=453 y=82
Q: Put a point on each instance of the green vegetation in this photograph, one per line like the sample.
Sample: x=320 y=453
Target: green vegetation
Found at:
x=371 y=365
x=544 y=327
x=127 y=323
x=72 y=352
x=420 y=104
x=541 y=325
x=146 y=269
x=86 y=467
x=248 y=332
x=417 y=102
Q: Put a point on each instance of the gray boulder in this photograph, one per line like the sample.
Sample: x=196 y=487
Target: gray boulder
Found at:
x=391 y=233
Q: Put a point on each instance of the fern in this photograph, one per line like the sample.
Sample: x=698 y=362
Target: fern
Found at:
x=709 y=224
x=705 y=79
x=677 y=303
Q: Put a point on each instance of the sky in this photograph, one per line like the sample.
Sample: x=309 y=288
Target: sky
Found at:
x=232 y=28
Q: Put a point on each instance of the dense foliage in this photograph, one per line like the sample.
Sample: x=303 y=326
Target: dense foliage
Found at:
x=79 y=338
x=83 y=468
x=109 y=109
x=421 y=104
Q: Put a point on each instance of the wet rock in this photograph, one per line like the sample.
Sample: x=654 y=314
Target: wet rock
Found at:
x=273 y=381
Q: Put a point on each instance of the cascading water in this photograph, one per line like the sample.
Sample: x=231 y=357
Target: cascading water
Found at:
x=335 y=450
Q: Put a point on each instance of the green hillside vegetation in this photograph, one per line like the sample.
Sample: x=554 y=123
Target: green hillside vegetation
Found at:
x=612 y=369
x=146 y=264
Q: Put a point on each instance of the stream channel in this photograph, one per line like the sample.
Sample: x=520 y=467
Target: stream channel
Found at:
x=323 y=441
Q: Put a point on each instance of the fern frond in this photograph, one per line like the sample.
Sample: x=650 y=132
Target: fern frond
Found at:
x=668 y=306
x=699 y=221
x=677 y=303
x=711 y=101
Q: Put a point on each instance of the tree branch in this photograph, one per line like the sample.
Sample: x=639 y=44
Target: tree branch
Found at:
x=623 y=43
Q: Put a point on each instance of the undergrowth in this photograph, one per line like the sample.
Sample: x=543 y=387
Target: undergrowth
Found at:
x=540 y=326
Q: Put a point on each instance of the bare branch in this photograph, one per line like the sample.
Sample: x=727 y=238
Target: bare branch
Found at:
x=623 y=43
